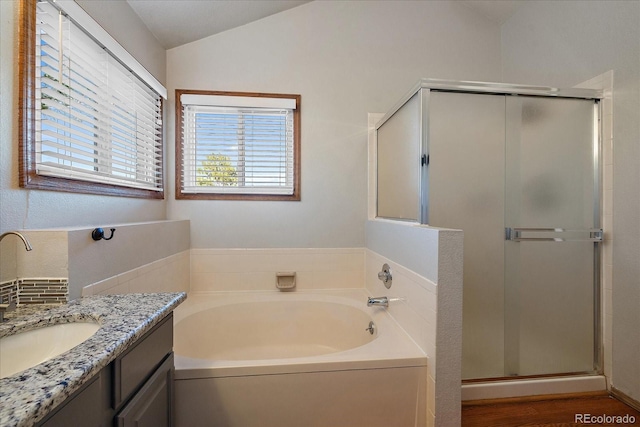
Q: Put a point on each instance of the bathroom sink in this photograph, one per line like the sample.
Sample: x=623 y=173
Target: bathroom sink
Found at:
x=30 y=348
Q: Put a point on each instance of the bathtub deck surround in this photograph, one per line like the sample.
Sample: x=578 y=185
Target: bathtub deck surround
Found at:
x=282 y=353
x=170 y=274
x=254 y=269
x=28 y=396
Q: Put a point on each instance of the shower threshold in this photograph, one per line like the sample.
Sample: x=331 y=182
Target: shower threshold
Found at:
x=502 y=388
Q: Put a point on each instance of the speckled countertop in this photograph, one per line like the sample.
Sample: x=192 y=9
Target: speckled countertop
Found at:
x=28 y=396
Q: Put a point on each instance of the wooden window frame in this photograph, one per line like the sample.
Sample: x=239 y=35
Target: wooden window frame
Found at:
x=179 y=194
x=28 y=177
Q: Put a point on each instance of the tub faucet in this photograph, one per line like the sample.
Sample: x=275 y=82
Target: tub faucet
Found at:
x=27 y=245
x=378 y=301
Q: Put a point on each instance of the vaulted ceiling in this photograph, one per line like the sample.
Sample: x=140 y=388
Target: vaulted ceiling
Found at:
x=176 y=22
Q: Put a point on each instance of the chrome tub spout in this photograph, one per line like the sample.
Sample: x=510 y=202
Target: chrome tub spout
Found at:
x=378 y=301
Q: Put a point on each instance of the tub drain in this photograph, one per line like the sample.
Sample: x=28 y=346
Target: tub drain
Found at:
x=371 y=328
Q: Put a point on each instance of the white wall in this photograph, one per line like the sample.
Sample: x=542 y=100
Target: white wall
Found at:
x=345 y=59
x=29 y=209
x=563 y=44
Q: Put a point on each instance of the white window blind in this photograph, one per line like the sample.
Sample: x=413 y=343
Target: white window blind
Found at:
x=237 y=145
x=95 y=120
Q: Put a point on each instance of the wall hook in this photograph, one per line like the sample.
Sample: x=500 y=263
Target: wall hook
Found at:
x=98 y=234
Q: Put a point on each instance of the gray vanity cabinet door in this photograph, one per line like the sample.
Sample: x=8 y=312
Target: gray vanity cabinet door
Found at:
x=152 y=406
x=139 y=362
x=88 y=406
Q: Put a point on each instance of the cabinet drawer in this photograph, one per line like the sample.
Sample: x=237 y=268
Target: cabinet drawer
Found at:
x=153 y=405
x=136 y=365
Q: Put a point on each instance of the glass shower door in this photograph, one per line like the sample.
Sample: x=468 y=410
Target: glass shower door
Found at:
x=466 y=191
x=552 y=230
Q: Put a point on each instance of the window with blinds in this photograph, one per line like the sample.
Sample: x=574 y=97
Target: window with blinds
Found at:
x=94 y=120
x=238 y=145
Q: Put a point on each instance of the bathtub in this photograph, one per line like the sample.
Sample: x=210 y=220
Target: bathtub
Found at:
x=295 y=359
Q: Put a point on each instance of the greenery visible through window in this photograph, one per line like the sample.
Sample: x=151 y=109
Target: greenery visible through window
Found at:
x=238 y=146
x=216 y=170
x=87 y=123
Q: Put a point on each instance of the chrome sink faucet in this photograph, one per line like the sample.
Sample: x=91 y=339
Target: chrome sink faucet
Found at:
x=12 y=304
x=27 y=245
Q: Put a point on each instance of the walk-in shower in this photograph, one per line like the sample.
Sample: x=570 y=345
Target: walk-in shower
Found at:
x=518 y=169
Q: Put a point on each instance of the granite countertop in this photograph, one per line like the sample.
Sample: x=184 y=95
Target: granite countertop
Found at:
x=28 y=396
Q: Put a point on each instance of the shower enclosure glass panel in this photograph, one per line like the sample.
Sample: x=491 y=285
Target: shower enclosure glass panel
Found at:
x=466 y=191
x=398 y=155
x=551 y=211
x=519 y=174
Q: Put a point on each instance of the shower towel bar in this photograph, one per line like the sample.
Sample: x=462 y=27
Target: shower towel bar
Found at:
x=515 y=234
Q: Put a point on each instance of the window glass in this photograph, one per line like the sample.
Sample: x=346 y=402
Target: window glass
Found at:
x=89 y=124
x=237 y=145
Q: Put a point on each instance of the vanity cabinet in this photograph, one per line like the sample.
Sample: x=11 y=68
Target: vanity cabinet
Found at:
x=88 y=406
x=152 y=406
x=135 y=389
x=143 y=380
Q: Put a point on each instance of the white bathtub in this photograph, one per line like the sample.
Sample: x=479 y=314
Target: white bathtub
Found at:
x=294 y=359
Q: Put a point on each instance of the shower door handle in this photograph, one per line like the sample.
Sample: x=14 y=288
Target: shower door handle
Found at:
x=521 y=234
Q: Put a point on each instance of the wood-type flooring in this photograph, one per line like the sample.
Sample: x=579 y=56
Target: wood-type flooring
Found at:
x=588 y=409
